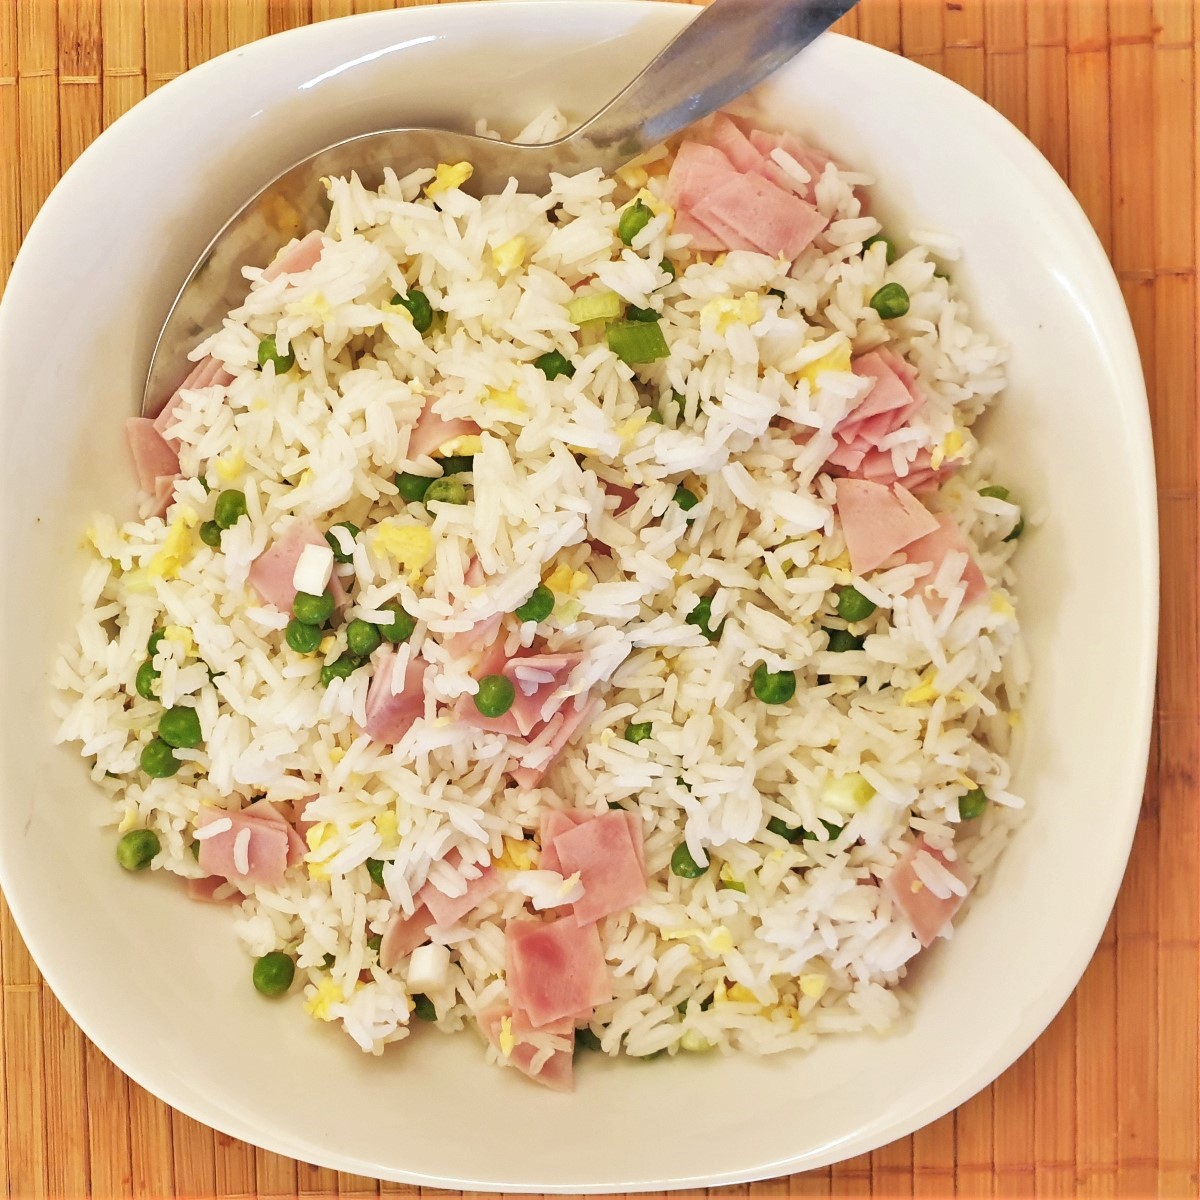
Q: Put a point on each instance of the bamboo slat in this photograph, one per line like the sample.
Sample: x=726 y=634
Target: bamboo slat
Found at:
x=1107 y=1102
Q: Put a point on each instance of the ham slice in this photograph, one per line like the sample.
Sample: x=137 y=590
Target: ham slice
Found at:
x=610 y=868
x=557 y=1071
x=431 y=431
x=555 y=969
x=267 y=848
x=479 y=637
x=878 y=521
x=402 y=936
x=448 y=910
x=208 y=372
x=264 y=810
x=933 y=548
x=212 y=889
x=774 y=221
x=296 y=257
x=554 y=822
x=153 y=458
x=812 y=161
x=271 y=572
x=535 y=679
x=561 y=727
x=878 y=466
x=390 y=715
x=726 y=136
x=893 y=394
x=697 y=169
x=926 y=912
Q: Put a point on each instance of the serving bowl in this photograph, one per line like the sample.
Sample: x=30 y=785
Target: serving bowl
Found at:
x=160 y=984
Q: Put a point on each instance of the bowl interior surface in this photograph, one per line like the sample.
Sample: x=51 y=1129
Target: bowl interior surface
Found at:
x=162 y=986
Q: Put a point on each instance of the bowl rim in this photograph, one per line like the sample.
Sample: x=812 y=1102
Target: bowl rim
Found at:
x=1140 y=706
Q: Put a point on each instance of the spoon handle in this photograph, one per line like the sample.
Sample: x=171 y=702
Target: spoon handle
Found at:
x=725 y=51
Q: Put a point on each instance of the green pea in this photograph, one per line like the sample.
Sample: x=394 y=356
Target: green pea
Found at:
x=684 y=865
x=773 y=687
x=701 y=617
x=273 y=973
x=154 y=641
x=495 y=696
x=137 y=848
x=145 y=680
x=402 y=626
x=341 y=668
x=1017 y=530
x=889 y=247
x=789 y=833
x=362 y=637
x=313 y=610
x=456 y=464
x=302 y=638
x=638 y=731
x=180 y=727
x=268 y=352
x=539 y=605
x=841 y=640
x=552 y=364
x=375 y=942
x=667 y=267
x=328 y=960
x=412 y=487
x=633 y=313
x=972 y=804
x=448 y=491
x=890 y=301
x=229 y=509
x=585 y=1039
x=418 y=307
x=210 y=534
x=852 y=605
x=158 y=759
x=654 y=417
x=339 y=555
x=375 y=870
x=686 y=498
x=423 y=1008
x=633 y=220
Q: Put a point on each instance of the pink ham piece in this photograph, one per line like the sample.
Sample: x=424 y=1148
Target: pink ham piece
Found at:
x=296 y=257
x=560 y=729
x=212 y=889
x=879 y=467
x=774 y=221
x=812 y=161
x=402 y=936
x=476 y=639
x=267 y=848
x=271 y=572
x=889 y=403
x=927 y=913
x=556 y=821
x=153 y=458
x=933 y=548
x=431 y=431
x=555 y=969
x=447 y=910
x=208 y=372
x=390 y=715
x=697 y=169
x=726 y=136
x=878 y=521
x=556 y=1072
x=264 y=810
x=610 y=868
x=535 y=679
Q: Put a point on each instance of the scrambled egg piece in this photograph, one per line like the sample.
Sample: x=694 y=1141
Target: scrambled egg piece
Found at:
x=447 y=176
x=318 y=837
x=313 y=306
x=837 y=359
x=633 y=176
x=181 y=636
x=695 y=1041
x=847 y=794
x=566 y=581
x=176 y=549
x=508 y=1041
x=950 y=447
x=677 y=560
x=230 y=466
x=740 y=994
x=466 y=444
x=410 y=545
x=723 y=311
x=519 y=855
x=814 y=985
x=128 y=821
x=789 y=1012
x=655 y=204
x=1001 y=605
x=506 y=401
x=628 y=430
x=507 y=257
x=717 y=940
x=388 y=829
x=729 y=879
x=924 y=691
x=328 y=994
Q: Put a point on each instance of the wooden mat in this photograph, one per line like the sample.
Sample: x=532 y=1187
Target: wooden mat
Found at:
x=1108 y=1100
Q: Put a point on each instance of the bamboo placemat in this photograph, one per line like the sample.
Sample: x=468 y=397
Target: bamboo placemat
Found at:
x=1108 y=1101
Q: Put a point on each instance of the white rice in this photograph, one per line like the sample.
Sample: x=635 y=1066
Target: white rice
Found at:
x=775 y=944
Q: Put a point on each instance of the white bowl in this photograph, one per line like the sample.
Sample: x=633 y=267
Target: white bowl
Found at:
x=161 y=985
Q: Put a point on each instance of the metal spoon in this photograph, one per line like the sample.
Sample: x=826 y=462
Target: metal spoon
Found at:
x=727 y=49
